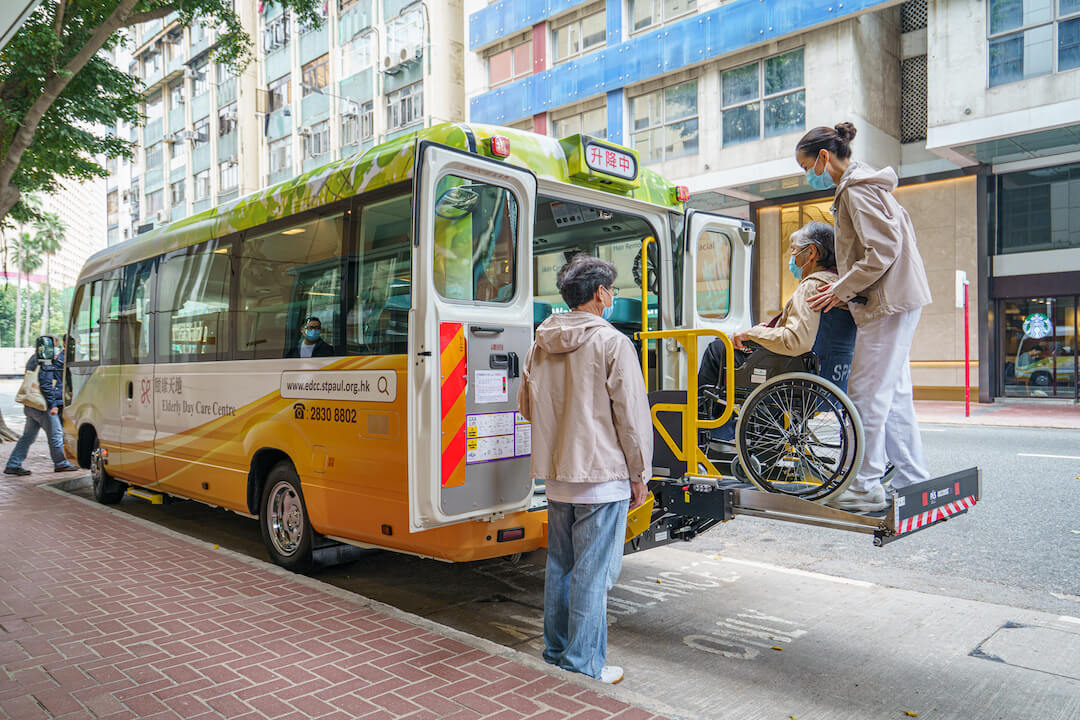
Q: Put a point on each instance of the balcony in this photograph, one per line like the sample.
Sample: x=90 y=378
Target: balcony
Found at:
x=152 y=132
x=200 y=158
x=226 y=146
x=359 y=87
x=177 y=121
x=315 y=43
x=278 y=63
x=279 y=125
x=315 y=106
x=226 y=91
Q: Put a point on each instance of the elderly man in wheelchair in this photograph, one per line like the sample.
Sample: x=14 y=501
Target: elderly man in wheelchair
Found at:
x=794 y=430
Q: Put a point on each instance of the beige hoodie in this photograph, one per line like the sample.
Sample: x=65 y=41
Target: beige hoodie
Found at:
x=796 y=330
x=876 y=254
x=584 y=394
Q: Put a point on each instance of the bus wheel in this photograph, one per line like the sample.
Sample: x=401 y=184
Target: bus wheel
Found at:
x=283 y=518
x=107 y=490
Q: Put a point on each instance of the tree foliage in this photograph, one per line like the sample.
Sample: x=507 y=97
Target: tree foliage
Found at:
x=60 y=94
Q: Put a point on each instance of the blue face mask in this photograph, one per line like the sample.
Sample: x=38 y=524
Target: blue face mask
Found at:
x=606 y=314
x=823 y=181
x=312 y=334
x=795 y=269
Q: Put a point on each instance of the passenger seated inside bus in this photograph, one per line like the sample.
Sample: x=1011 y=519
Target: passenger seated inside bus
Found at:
x=795 y=331
x=311 y=343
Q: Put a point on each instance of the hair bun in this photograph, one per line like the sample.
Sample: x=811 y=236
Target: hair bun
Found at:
x=846 y=131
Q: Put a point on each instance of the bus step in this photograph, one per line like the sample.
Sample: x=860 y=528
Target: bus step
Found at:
x=151 y=497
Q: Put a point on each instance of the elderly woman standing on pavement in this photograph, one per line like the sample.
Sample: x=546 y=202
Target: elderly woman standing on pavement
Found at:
x=883 y=282
x=48 y=362
x=585 y=395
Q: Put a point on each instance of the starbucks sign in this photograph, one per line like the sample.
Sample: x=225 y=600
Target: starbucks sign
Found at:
x=1037 y=325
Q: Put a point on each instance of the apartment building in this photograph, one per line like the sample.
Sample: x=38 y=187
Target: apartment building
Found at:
x=372 y=70
x=975 y=104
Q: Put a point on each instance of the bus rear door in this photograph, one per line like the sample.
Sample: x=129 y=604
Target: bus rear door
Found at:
x=469 y=330
x=717 y=290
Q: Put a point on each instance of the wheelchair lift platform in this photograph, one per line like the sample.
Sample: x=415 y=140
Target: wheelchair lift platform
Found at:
x=693 y=504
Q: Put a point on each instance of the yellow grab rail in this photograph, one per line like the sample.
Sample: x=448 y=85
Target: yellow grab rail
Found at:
x=645 y=305
x=690 y=453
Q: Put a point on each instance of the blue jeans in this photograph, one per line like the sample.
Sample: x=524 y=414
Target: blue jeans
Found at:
x=36 y=419
x=585 y=548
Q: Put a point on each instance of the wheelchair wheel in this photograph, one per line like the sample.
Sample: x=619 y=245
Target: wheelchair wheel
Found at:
x=799 y=435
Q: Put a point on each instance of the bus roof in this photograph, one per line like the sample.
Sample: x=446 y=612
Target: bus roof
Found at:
x=379 y=166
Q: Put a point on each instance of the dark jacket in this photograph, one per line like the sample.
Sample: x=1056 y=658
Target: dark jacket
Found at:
x=51 y=378
x=322 y=349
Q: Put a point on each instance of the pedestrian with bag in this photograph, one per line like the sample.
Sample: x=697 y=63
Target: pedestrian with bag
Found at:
x=583 y=391
x=42 y=397
x=883 y=283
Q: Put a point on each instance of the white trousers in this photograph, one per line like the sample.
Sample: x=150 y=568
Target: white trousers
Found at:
x=880 y=388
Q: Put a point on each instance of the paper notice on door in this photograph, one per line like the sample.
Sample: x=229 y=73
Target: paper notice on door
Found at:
x=523 y=440
x=490 y=386
x=478 y=450
x=489 y=424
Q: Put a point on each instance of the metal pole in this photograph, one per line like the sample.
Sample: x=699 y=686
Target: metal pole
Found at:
x=967 y=356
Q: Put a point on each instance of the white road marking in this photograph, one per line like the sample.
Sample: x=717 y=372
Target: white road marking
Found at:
x=794 y=571
x=1069 y=618
x=926 y=429
x=1056 y=457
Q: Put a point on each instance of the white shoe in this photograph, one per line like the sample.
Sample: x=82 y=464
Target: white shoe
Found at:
x=611 y=674
x=872 y=500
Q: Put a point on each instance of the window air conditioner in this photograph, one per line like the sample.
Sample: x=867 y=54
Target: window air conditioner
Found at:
x=186 y=134
x=390 y=64
x=411 y=53
x=189 y=73
x=162 y=216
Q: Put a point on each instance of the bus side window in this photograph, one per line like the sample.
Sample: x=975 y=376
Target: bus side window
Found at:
x=712 y=281
x=193 y=305
x=85 y=324
x=378 y=318
x=135 y=317
x=284 y=277
x=110 y=320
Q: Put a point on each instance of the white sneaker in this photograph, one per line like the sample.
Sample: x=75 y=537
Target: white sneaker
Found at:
x=870 y=501
x=611 y=674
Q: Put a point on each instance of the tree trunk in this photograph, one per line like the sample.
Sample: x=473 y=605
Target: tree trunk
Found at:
x=45 y=309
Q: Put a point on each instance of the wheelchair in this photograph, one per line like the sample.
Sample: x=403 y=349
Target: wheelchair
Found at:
x=796 y=431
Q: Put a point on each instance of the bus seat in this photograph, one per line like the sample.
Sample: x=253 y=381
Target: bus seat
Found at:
x=541 y=311
x=626 y=314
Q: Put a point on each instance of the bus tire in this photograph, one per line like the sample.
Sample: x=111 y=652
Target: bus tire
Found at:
x=283 y=519
x=107 y=489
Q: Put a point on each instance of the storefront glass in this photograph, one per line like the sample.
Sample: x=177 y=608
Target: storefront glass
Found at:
x=1039 y=347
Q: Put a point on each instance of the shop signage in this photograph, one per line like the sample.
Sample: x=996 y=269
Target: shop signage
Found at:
x=1037 y=325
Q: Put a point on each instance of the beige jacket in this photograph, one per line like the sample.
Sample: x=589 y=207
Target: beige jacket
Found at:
x=796 y=330
x=584 y=394
x=876 y=252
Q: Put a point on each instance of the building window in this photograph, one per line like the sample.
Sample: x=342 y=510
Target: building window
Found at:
x=153 y=156
x=280 y=92
x=780 y=109
x=227 y=119
x=350 y=129
x=315 y=76
x=405 y=106
x=590 y=122
x=154 y=203
x=1021 y=38
x=665 y=123
x=367 y=120
x=280 y=155
x=202 y=132
x=276 y=33
x=405 y=35
x=176 y=95
x=585 y=31
x=510 y=64
x=1039 y=210
x=176 y=194
x=200 y=85
x=359 y=54
x=645 y=14
x=317 y=142
x=112 y=207
x=152 y=62
x=176 y=151
x=228 y=176
x=198 y=32
x=202 y=185
x=153 y=107
x=174 y=42
x=223 y=74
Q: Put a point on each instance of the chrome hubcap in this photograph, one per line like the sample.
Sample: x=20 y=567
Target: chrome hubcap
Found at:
x=285 y=518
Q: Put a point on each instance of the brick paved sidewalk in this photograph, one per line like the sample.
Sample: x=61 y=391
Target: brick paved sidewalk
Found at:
x=102 y=616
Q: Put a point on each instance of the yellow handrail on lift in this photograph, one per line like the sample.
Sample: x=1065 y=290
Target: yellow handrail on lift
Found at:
x=690 y=453
x=645 y=305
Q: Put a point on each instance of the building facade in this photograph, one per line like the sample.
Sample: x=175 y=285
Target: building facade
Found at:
x=974 y=104
x=372 y=70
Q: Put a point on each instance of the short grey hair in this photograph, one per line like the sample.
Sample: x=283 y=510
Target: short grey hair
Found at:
x=580 y=278
x=820 y=235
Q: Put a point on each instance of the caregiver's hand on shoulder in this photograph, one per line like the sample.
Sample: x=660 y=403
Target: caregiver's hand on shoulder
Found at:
x=825 y=300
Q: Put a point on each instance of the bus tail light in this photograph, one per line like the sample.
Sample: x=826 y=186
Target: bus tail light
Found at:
x=509 y=534
x=682 y=193
x=500 y=146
